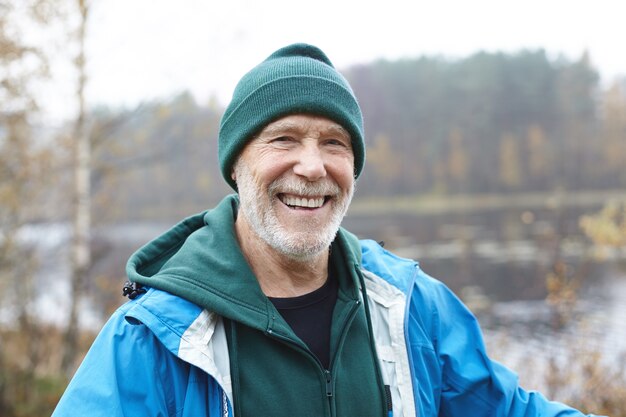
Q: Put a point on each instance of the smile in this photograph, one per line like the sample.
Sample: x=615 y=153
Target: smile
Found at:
x=301 y=201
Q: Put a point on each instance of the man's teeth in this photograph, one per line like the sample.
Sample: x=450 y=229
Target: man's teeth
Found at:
x=303 y=202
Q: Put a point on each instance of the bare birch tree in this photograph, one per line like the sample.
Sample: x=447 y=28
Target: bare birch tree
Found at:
x=81 y=254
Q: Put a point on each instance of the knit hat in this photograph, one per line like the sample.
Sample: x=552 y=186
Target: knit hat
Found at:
x=298 y=78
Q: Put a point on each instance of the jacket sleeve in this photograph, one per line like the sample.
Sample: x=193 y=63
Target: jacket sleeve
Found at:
x=473 y=384
x=121 y=375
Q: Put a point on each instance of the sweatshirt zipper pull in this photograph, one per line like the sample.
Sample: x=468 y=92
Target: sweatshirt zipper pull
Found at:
x=329 y=384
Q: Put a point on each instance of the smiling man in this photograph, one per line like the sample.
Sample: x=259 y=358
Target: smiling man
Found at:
x=296 y=177
x=265 y=306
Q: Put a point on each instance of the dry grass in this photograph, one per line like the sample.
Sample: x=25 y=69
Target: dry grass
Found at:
x=30 y=379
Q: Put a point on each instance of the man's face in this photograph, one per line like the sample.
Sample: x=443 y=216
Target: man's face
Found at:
x=295 y=182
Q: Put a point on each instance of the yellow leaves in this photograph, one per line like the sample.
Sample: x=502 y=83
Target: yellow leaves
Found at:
x=562 y=286
x=560 y=289
x=458 y=160
x=510 y=169
x=9 y=197
x=383 y=160
x=608 y=226
x=537 y=151
x=613 y=138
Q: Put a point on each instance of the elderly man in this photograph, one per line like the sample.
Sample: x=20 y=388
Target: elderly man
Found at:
x=264 y=306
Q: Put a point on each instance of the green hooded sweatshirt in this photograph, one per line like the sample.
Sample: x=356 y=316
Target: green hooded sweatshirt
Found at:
x=273 y=372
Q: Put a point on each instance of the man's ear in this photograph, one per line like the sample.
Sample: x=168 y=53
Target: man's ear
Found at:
x=233 y=176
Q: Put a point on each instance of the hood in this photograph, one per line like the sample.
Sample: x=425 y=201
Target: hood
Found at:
x=199 y=260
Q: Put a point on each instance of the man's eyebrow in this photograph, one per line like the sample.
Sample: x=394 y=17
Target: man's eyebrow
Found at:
x=280 y=127
x=287 y=126
x=338 y=130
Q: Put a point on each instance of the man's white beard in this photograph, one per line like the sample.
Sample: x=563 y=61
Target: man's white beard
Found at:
x=313 y=236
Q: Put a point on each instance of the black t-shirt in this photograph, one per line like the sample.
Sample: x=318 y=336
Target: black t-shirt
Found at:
x=310 y=316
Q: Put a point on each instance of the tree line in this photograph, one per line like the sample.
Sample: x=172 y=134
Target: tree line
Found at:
x=491 y=122
x=488 y=123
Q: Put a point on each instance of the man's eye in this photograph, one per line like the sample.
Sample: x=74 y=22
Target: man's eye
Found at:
x=282 y=139
x=336 y=142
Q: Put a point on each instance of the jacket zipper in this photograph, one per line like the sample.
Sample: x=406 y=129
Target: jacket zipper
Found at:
x=329 y=383
x=328 y=375
x=330 y=391
x=389 y=401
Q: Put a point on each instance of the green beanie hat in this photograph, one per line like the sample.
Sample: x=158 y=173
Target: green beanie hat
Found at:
x=298 y=78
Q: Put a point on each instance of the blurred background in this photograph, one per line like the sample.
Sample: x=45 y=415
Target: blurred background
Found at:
x=496 y=156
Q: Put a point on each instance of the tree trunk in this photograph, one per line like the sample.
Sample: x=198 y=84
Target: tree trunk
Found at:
x=81 y=254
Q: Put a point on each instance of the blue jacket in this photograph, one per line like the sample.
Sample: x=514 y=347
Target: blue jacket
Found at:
x=160 y=355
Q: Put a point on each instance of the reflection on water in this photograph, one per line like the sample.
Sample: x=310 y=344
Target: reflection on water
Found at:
x=506 y=255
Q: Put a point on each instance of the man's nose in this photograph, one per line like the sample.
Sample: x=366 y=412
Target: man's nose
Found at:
x=310 y=163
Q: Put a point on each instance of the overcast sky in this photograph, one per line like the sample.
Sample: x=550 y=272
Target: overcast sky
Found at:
x=148 y=49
